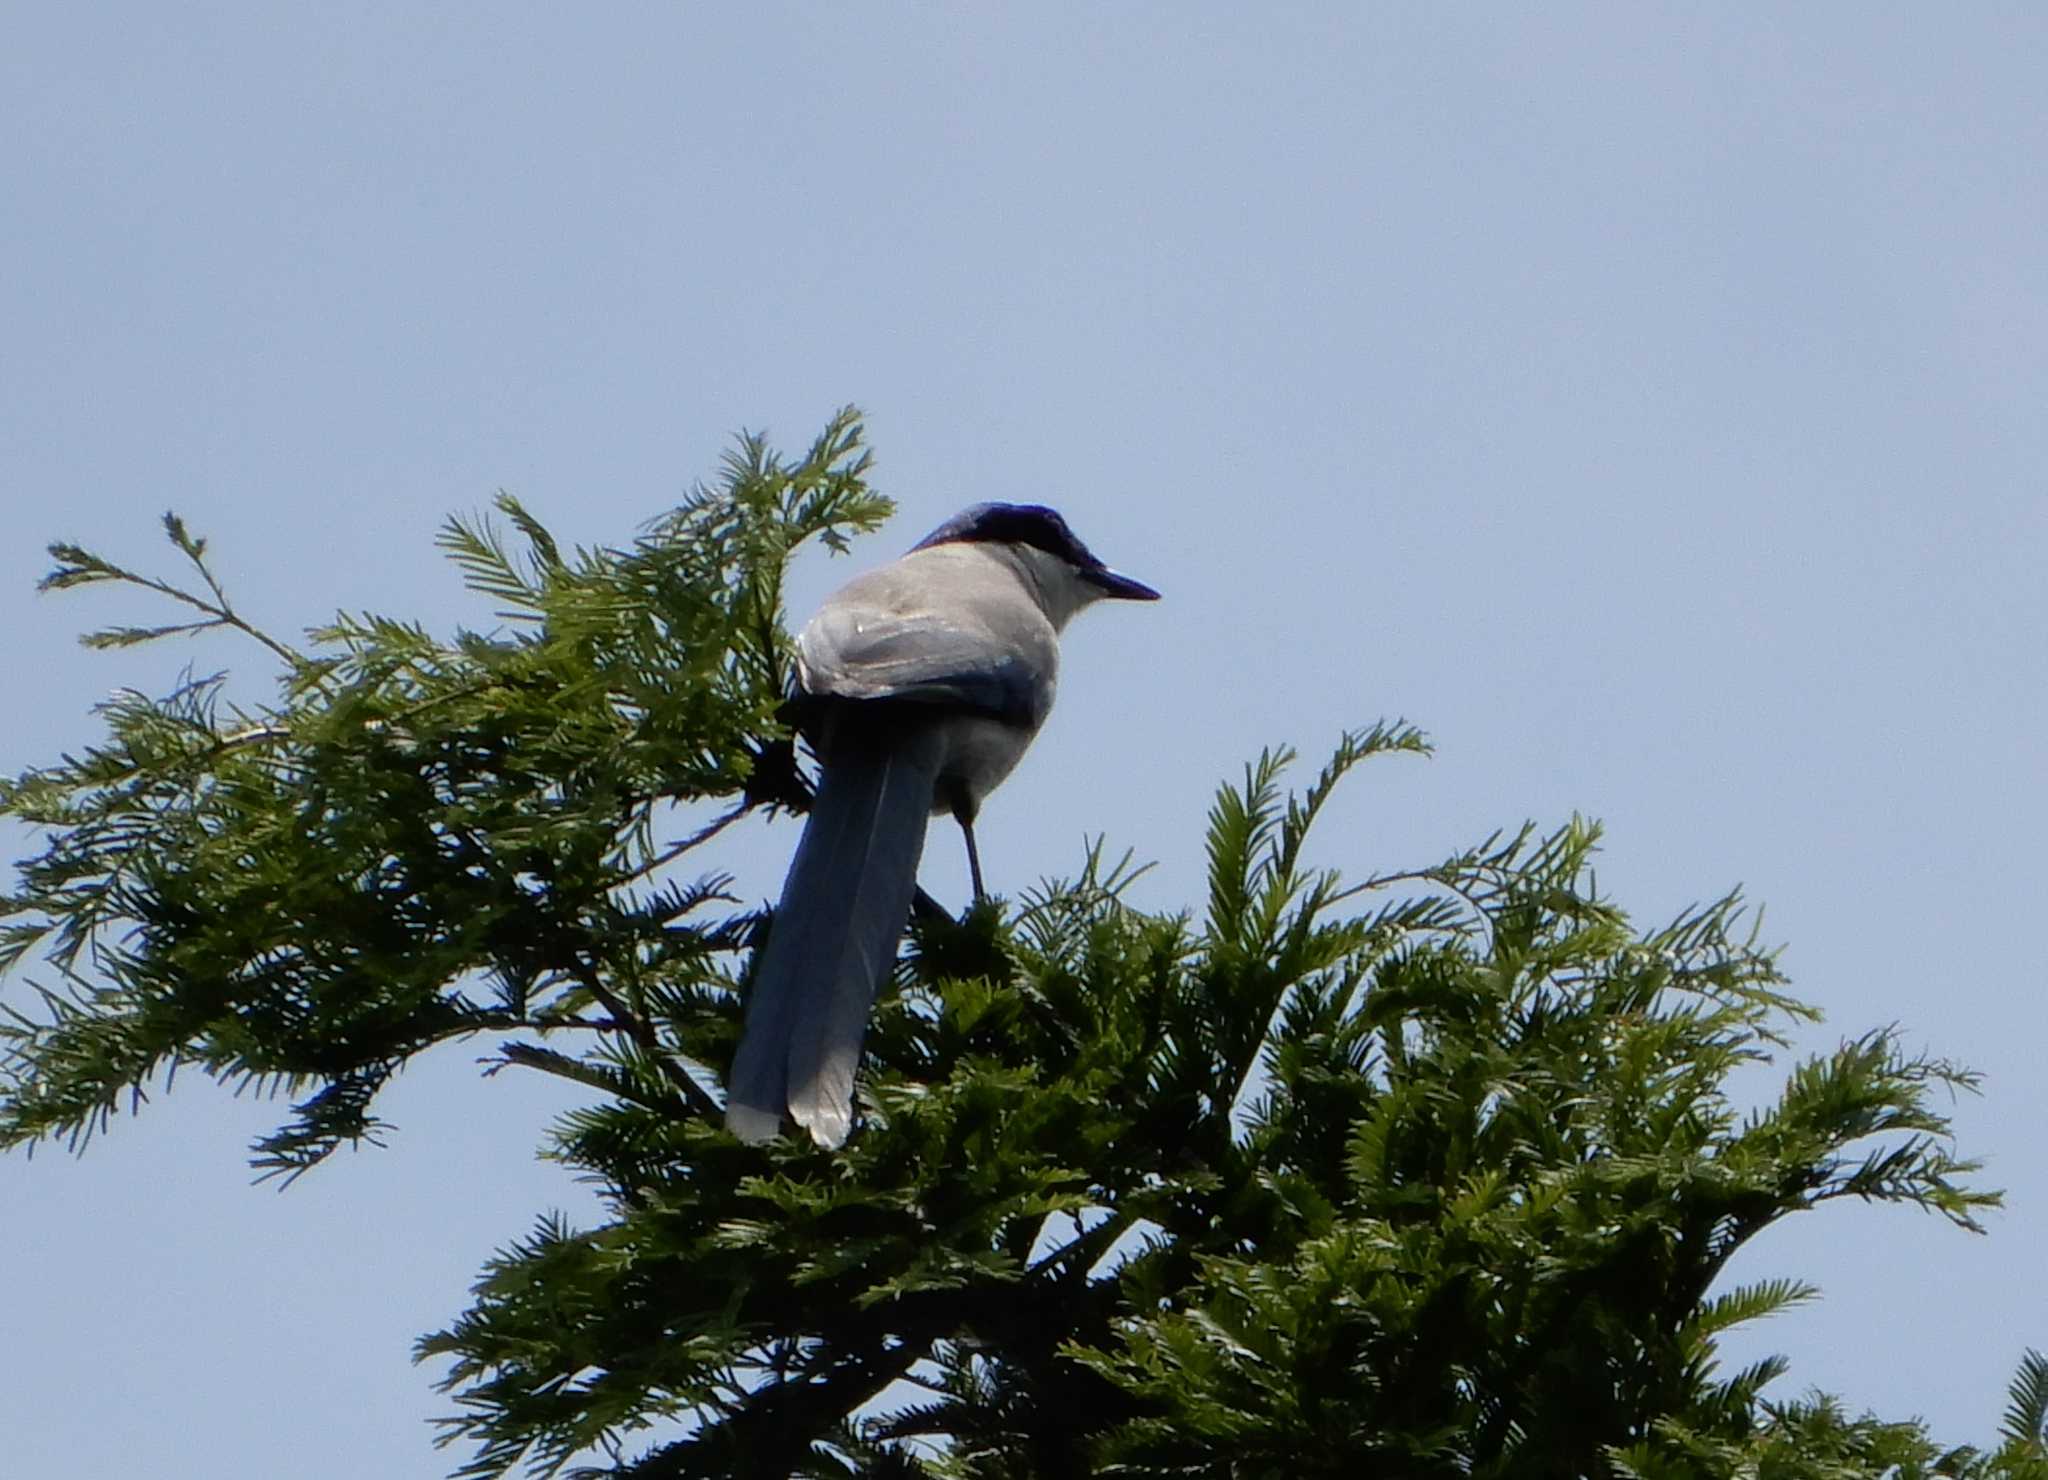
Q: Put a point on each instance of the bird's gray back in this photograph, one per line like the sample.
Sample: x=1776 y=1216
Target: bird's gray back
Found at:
x=951 y=626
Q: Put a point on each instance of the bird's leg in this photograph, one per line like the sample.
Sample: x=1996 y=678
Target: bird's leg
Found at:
x=965 y=817
x=973 y=861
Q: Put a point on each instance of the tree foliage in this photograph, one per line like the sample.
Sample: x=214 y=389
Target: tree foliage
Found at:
x=1435 y=1173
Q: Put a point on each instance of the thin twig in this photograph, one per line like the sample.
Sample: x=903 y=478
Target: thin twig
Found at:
x=677 y=849
x=642 y=1033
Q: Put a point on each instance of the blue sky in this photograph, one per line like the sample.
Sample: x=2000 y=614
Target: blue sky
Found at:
x=1645 y=400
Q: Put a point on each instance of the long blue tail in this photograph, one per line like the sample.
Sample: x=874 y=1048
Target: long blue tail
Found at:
x=843 y=909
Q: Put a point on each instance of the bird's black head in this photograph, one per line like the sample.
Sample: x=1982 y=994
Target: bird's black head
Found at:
x=1042 y=529
x=1014 y=524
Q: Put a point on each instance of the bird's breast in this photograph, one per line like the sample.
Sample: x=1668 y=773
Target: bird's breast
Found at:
x=979 y=752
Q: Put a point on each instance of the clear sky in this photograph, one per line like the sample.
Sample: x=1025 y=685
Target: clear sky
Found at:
x=1648 y=401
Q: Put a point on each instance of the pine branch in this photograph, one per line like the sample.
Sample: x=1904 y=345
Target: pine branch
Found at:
x=77 y=566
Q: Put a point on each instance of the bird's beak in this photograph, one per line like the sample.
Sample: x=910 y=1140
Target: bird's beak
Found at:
x=1122 y=587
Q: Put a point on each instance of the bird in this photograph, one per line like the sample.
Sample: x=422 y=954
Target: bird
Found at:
x=919 y=686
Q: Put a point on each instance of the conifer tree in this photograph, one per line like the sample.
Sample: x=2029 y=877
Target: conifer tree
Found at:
x=1433 y=1173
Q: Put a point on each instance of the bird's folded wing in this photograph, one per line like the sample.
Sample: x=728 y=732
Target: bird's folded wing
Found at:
x=853 y=652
